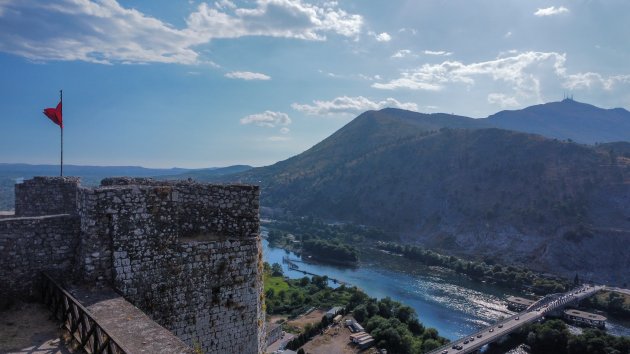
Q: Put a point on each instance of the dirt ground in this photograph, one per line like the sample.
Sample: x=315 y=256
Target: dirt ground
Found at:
x=313 y=318
x=26 y=328
x=334 y=341
x=276 y=318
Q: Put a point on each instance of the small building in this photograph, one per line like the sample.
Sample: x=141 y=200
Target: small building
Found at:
x=357 y=327
x=518 y=304
x=362 y=340
x=337 y=319
x=582 y=318
x=333 y=312
x=274 y=332
x=357 y=337
x=366 y=343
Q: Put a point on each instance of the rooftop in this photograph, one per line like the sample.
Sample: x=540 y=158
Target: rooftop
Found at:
x=520 y=300
x=585 y=315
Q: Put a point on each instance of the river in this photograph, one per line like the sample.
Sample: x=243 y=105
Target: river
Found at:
x=451 y=303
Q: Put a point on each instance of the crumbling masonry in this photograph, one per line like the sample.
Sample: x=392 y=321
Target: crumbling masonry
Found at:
x=187 y=254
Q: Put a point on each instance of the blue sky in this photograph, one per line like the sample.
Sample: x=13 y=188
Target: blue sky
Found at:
x=164 y=83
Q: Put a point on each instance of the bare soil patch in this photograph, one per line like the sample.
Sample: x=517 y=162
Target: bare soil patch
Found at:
x=334 y=341
x=314 y=317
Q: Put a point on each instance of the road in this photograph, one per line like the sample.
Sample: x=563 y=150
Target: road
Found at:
x=537 y=311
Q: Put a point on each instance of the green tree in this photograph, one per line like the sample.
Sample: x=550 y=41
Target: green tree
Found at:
x=276 y=270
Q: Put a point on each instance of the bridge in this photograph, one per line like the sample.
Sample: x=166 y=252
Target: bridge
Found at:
x=535 y=312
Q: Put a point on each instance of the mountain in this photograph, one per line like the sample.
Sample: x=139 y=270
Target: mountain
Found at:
x=567 y=119
x=208 y=174
x=453 y=183
x=92 y=175
x=11 y=173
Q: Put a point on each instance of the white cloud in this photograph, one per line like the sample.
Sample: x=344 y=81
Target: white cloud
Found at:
x=402 y=53
x=438 y=52
x=521 y=72
x=225 y=4
x=267 y=119
x=508 y=34
x=275 y=18
x=370 y=78
x=106 y=32
x=516 y=70
x=550 y=11
x=284 y=130
x=247 y=75
x=383 y=37
x=590 y=79
x=503 y=100
x=380 y=37
x=413 y=31
x=350 y=105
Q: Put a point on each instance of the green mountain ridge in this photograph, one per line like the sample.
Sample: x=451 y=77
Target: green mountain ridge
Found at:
x=453 y=183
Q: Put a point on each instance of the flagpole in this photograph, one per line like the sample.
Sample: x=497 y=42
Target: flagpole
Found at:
x=61 y=127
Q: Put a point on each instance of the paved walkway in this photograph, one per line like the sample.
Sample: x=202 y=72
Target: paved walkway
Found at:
x=27 y=328
x=135 y=330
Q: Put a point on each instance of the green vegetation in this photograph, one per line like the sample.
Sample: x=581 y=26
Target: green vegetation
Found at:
x=393 y=325
x=324 y=242
x=513 y=277
x=554 y=337
x=293 y=297
x=615 y=304
x=330 y=251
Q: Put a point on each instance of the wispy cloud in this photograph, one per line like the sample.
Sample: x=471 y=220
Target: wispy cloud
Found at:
x=350 y=105
x=380 y=37
x=523 y=72
x=402 y=53
x=106 y=32
x=247 y=75
x=413 y=31
x=438 y=52
x=589 y=80
x=267 y=119
x=514 y=70
x=550 y=11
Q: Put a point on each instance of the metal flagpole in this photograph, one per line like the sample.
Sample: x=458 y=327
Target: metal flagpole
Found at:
x=61 y=127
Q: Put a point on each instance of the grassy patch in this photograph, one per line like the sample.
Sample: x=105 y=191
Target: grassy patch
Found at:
x=276 y=283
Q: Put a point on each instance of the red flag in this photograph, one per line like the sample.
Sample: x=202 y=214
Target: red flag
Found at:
x=55 y=115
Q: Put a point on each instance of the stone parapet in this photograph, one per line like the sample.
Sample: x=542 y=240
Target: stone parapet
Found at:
x=46 y=196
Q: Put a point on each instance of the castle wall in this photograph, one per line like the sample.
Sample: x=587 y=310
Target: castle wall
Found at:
x=29 y=245
x=46 y=196
x=187 y=254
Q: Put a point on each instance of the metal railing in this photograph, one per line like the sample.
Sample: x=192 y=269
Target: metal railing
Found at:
x=76 y=319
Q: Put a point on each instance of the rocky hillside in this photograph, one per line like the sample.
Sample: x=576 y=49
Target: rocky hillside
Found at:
x=452 y=183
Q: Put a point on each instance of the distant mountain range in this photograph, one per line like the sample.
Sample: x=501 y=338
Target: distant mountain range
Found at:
x=92 y=175
x=485 y=188
x=465 y=186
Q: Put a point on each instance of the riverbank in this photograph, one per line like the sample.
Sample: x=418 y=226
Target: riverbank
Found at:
x=452 y=303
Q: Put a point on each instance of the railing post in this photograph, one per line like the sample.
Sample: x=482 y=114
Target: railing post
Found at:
x=77 y=320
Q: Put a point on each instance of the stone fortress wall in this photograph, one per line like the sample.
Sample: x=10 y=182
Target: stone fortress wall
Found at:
x=187 y=254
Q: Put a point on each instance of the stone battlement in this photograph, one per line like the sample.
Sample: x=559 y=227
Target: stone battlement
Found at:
x=188 y=254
